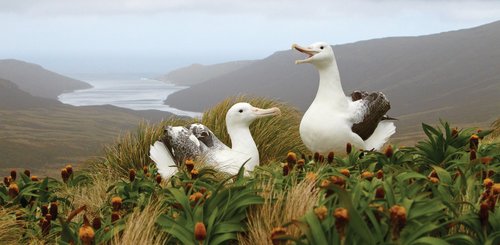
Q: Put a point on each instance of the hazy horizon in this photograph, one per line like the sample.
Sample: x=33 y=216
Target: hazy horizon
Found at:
x=131 y=36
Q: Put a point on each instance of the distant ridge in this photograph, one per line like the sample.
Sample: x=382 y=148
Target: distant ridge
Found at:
x=197 y=73
x=453 y=75
x=36 y=80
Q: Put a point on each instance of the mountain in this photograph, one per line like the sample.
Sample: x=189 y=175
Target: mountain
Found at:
x=43 y=134
x=452 y=75
x=36 y=80
x=197 y=73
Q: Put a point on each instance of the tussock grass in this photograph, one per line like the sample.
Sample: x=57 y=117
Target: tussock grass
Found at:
x=10 y=228
x=274 y=136
x=141 y=228
x=131 y=150
x=279 y=207
x=495 y=135
x=93 y=195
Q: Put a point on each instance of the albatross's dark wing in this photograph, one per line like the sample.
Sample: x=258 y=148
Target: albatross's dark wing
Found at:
x=376 y=108
x=206 y=136
x=181 y=143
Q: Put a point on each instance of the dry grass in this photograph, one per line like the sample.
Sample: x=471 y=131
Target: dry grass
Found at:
x=140 y=227
x=279 y=208
x=92 y=195
x=10 y=228
x=274 y=136
x=131 y=150
x=494 y=137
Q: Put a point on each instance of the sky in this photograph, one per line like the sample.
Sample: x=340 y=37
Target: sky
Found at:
x=156 y=36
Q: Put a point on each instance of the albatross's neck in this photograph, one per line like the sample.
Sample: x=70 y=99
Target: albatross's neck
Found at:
x=330 y=89
x=242 y=142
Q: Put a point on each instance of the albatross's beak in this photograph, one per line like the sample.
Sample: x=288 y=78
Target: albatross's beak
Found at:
x=266 y=112
x=310 y=53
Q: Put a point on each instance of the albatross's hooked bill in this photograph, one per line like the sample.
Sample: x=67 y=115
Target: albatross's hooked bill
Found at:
x=197 y=141
x=333 y=120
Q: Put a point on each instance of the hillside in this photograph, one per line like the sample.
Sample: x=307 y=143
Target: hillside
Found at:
x=36 y=80
x=452 y=75
x=40 y=134
x=197 y=73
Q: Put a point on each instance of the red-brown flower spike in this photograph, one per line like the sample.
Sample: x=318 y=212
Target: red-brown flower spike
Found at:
x=434 y=174
x=488 y=183
x=473 y=155
x=7 y=180
x=200 y=232
x=330 y=157
x=291 y=159
x=286 y=169
x=69 y=168
x=189 y=165
x=53 y=210
x=64 y=175
x=97 y=223
x=195 y=197
x=34 y=178
x=13 y=174
x=311 y=177
x=454 y=132
x=389 y=151
x=300 y=164
x=473 y=142
x=486 y=160
x=277 y=232
x=116 y=203
x=316 y=157
x=325 y=184
x=321 y=212
x=45 y=210
x=158 y=178
x=380 y=193
x=44 y=226
x=131 y=175
x=433 y=180
x=86 y=232
x=321 y=158
x=341 y=219
x=345 y=172
x=115 y=216
x=27 y=172
x=398 y=220
x=337 y=180
x=348 y=148
x=194 y=174
x=13 y=190
x=367 y=175
x=145 y=169
x=380 y=174
x=484 y=210
x=495 y=189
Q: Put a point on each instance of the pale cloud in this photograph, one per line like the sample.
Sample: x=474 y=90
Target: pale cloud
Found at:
x=159 y=35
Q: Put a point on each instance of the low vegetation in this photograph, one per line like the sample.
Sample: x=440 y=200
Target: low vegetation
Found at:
x=444 y=190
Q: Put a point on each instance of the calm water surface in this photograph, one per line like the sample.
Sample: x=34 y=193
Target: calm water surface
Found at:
x=135 y=94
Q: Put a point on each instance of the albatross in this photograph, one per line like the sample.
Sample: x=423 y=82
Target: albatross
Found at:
x=333 y=119
x=197 y=141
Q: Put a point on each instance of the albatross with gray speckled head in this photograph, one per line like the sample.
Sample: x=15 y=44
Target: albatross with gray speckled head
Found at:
x=197 y=141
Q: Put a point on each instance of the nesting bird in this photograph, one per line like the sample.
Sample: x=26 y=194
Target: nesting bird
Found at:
x=333 y=119
x=196 y=141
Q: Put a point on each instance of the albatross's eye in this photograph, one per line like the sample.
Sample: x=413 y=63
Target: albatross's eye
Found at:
x=322 y=47
x=241 y=110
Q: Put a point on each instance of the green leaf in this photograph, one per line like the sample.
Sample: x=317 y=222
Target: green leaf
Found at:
x=430 y=241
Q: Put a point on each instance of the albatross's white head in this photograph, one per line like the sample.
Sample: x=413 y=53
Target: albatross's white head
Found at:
x=243 y=114
x=319 y=54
